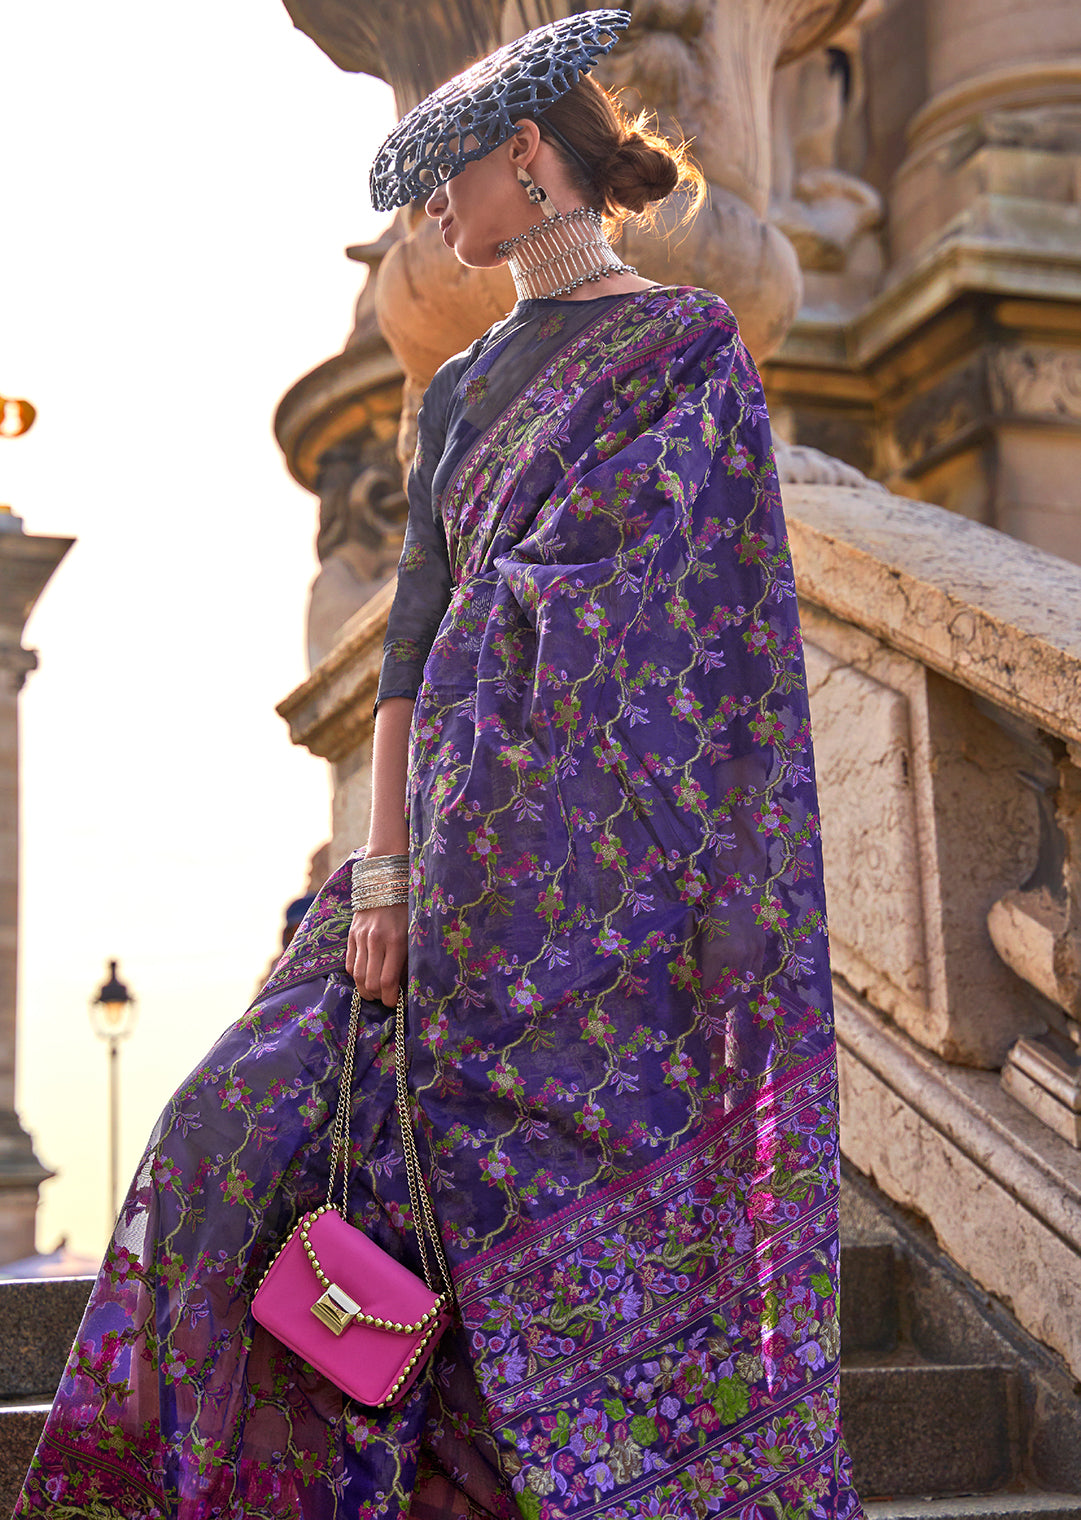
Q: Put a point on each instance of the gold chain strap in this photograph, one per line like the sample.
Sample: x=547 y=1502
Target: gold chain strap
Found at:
x=419 y=1198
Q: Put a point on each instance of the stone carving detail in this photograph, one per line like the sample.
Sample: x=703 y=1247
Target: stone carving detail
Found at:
x=935 y=418
x=1037 y=931
x=799 y=464
x=1003 y=381
x=831 y=217
x=1036 y=382
x=362 y=511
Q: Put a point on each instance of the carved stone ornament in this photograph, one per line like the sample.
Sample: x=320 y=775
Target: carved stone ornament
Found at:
x=799 y=464
x=1036 y=382
x=1036 y=929
x=361 y=528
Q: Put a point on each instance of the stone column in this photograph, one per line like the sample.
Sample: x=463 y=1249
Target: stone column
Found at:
x=26 y=563
x=977 y=335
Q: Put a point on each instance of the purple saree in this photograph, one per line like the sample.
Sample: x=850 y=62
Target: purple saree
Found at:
x=622 y=1047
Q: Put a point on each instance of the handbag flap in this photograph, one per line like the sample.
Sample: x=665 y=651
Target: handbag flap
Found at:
x=383 y=1287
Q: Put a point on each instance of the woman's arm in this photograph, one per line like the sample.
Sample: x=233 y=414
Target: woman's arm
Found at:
x=375 y=957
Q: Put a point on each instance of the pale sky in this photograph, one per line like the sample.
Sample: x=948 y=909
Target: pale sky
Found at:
x=179 y=184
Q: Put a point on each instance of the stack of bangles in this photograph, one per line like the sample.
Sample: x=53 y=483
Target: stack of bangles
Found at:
x=381 y=881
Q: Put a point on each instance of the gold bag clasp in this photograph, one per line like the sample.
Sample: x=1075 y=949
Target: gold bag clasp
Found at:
x=336 y=1309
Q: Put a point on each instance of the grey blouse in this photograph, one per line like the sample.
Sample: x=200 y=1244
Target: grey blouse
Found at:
x=458 y=408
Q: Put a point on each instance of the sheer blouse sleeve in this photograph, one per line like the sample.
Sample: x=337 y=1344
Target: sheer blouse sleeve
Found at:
x=424 y=581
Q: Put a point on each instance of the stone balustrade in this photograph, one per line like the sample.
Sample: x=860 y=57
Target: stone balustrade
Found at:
x=944 y=661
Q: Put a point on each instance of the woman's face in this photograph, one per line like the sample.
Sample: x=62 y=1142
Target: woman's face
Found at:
x=474 y=209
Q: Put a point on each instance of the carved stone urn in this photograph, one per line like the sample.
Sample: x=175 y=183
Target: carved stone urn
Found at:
x=704 y=66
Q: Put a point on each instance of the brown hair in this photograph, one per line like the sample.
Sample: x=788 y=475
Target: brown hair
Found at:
x=619 y=163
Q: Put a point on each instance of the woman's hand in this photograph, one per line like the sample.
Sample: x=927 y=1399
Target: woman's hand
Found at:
x=375 y=957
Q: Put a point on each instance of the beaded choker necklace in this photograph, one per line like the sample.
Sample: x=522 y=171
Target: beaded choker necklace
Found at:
x=561 y=254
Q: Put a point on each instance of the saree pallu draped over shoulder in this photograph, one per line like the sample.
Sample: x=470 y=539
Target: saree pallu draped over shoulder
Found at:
x=620 y=1013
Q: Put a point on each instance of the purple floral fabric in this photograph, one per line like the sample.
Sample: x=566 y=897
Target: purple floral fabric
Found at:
x=621 y=1033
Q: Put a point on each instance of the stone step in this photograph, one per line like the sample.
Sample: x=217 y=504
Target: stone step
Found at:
x=919 y=1429
x=870 y=1319
x=38 y=1321
x=1030 y=1505
x=20 y=1428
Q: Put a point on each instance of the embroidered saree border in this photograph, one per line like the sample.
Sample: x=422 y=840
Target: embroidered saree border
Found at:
x=824 y=1063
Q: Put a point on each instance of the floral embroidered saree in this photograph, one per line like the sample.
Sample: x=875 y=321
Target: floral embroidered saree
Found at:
x=621 y=1038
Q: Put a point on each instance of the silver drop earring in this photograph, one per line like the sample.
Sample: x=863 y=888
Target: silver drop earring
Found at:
x=536 y=193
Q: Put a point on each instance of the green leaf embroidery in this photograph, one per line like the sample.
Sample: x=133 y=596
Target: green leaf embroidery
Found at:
x=644 y=1430
x=528 y=1503
x=731 y=1400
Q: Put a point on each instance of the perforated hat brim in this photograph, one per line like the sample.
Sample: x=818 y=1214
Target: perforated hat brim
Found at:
x=479 y=109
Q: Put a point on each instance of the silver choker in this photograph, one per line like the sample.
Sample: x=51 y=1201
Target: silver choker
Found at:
x=561 y=254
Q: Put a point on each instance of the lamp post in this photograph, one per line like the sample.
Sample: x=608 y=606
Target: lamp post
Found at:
x=112 y=1018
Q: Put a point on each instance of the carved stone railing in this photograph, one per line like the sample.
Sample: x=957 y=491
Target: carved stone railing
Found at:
x=944 y=662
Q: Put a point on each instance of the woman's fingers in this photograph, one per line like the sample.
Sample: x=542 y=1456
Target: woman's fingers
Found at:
x=390 y=980
x=376 y=952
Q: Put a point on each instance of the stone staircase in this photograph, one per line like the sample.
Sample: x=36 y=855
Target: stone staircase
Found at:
x=38 y=1321
x=951 y=1412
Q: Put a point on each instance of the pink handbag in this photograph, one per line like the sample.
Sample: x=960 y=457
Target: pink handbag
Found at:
x=336 y=1298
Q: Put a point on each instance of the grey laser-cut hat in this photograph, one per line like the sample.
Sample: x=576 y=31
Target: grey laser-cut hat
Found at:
x=478 y=109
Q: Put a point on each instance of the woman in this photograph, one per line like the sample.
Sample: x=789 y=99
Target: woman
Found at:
x=619 y=995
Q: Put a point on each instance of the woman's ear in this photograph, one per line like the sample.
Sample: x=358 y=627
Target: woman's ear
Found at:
x=524 y=144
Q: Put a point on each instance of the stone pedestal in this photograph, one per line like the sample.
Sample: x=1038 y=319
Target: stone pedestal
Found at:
x=26 y=563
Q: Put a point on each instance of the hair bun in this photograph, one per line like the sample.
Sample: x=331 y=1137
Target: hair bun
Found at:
x=618 y=162
x=640 y=171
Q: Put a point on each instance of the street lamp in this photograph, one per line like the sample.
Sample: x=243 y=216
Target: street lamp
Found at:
x=112 y=1018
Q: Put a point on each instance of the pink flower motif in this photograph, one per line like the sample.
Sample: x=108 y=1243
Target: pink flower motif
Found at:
x=496 y=1167
x=591 y=618
x=592 y=1120
x=771 y=819
x=483 y=843
x=525 y=997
